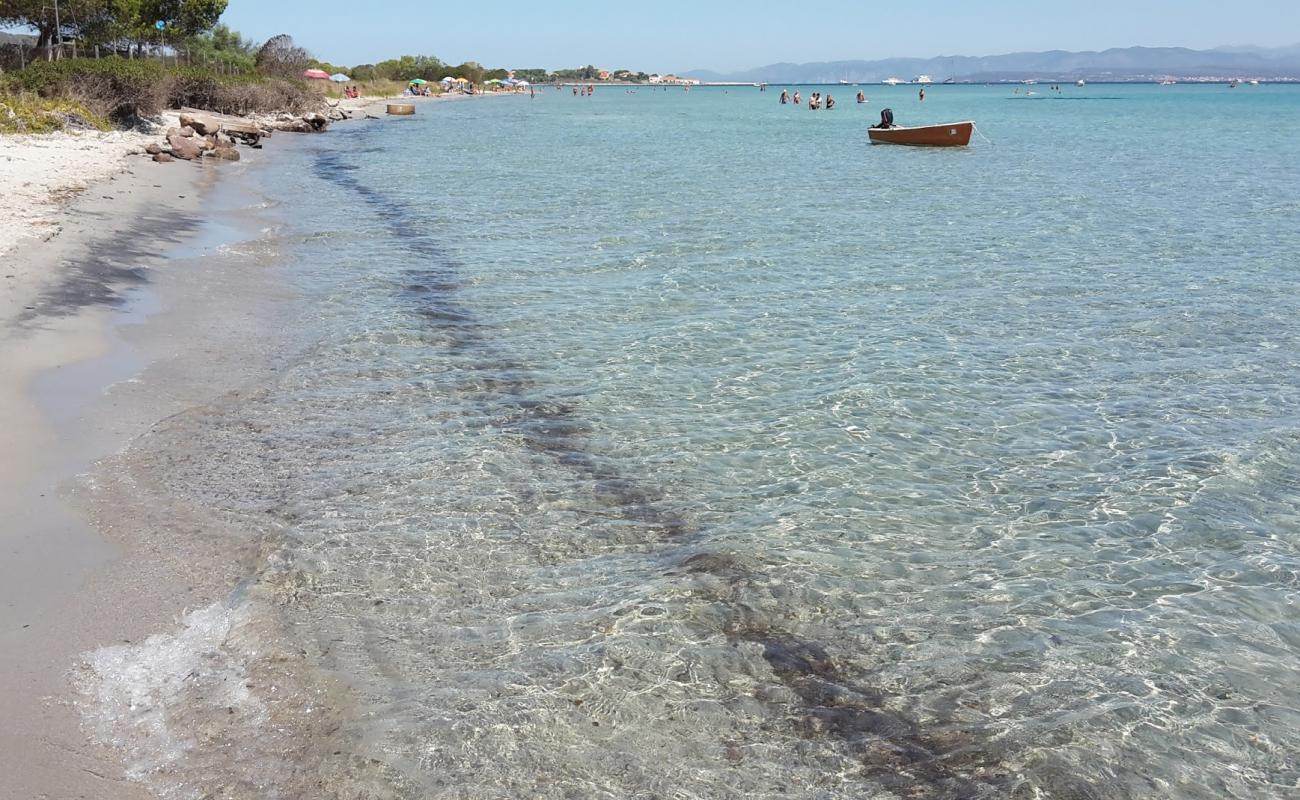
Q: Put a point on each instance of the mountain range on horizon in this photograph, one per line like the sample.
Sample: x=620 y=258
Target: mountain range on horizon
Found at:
x=1115 y=64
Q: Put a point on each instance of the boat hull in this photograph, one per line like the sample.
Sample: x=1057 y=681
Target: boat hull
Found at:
x=953 y=134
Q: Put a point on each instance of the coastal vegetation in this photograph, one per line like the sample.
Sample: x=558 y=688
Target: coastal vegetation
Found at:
x=33 y=114
x=125 y=91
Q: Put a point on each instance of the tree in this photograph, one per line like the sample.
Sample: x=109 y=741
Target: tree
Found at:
x=281 y=58
x=100 y=21
x=471 y=71
x=40 y=16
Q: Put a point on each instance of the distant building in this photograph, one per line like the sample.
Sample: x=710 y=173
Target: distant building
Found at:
x=603 y=75
x=673 y=79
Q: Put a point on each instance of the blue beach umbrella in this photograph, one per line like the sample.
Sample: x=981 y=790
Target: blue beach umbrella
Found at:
x=339 y=77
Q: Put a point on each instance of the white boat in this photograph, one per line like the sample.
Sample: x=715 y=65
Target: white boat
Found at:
x=1167 y=82
x=893 y=81
x=922 y=79
x=1253 y=82
x=1080 y=83
x=1029 y=82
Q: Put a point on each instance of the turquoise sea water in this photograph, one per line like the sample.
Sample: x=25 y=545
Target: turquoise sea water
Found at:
x=669 y=444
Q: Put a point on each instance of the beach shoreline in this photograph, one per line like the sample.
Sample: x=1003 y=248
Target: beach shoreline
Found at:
x=59 y=352
x=138 y=292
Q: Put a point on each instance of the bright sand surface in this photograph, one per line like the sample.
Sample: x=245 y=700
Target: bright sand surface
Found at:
x=58 y=353
x=130 y=291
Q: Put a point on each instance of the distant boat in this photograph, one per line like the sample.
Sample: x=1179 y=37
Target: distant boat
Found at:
x=922 y=79
x=951 y=134
x=1079 y=83
x=893 y=81
x=1234 y=83
x=1253 y=82
x=1029 y=82
x=1167 y=82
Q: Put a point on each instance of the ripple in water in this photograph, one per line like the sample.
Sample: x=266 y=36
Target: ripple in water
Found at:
x=658 y=463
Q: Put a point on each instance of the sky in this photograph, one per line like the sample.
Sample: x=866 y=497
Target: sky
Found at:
x=730 y=35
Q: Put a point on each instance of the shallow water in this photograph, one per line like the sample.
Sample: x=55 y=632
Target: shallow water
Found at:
x=680 y=444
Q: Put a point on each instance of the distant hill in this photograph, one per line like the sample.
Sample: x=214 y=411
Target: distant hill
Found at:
x=1119 y=64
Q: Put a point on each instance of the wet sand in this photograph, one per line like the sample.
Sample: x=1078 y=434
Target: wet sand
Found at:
x=134 y=313
x=160 y=296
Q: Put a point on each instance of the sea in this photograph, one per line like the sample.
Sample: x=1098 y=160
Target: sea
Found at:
x=681 y=444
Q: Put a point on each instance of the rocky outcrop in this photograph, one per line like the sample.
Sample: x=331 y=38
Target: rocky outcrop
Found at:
x=311 y=123
x=182 y=147
x=202 y=124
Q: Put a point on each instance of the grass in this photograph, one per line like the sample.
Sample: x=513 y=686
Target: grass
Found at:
x=27 y=113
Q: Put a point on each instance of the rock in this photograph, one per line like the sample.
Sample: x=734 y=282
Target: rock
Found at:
x=317 y=122
x=187 y=149
x=153 y=149
x=187 y=131
x=209 y=143
x=247 y=133
x=162 y=158
x=225 y=153
x=202 y=124
x=295 y=126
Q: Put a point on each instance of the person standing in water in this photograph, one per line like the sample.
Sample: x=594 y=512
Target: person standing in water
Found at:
x=862 y=97
x=797 y=99
x=785 y=97
x=830 y=101
x=922 y=94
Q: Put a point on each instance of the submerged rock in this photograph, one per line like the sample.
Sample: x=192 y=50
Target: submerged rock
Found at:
x=162 y=158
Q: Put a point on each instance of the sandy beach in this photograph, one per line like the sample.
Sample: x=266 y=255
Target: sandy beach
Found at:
x=131 y=291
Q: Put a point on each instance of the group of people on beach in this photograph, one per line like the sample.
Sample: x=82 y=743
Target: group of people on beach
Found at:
x=351 y=92
x=816 y=101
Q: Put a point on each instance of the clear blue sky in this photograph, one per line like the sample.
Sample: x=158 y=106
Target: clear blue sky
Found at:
x=734 y=34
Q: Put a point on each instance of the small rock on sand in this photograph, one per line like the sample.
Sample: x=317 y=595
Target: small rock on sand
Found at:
x=153 y=149
x=162 y=158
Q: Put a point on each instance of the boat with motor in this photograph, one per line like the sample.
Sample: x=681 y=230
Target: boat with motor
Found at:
x=949 y=134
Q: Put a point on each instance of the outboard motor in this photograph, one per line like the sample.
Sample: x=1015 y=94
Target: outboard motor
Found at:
x=886 y=118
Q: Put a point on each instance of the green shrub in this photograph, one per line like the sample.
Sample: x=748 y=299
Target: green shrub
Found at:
x=25 y=113
x=124 y=90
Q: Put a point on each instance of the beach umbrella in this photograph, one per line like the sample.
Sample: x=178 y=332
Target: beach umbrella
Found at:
x=419 y=82
x=447 y=79
x=339 y=77
x=316 y=74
